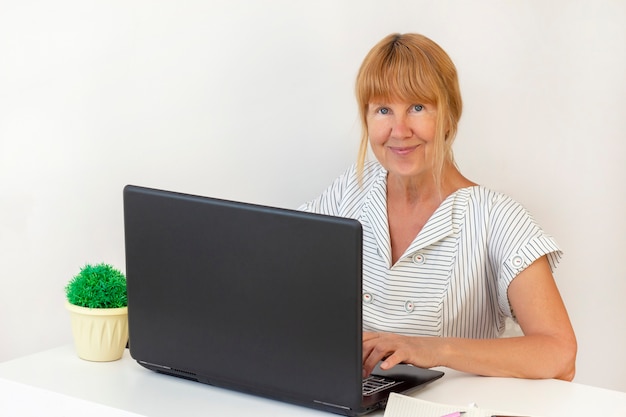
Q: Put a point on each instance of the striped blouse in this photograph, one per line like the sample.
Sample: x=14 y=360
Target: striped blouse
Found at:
x=453 y=278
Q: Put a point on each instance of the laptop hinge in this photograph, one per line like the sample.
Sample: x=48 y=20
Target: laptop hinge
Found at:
x=156 y=365
x=343 y=407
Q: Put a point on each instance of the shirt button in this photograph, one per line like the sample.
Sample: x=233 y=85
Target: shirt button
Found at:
x=517 y=261
x=367 y=297
x=408 y=306
x=419 y=259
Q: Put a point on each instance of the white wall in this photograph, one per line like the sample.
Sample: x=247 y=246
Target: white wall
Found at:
x=253 y=100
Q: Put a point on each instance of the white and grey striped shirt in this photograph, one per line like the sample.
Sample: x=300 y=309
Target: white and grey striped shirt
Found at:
x=453 y=278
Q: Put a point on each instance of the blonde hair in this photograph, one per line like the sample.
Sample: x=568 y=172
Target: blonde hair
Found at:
x=412 y=68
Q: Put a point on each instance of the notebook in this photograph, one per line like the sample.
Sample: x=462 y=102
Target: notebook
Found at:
x=258 y=299
x=403 y=406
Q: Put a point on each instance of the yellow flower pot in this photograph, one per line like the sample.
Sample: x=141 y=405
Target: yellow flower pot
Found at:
x=100 y=334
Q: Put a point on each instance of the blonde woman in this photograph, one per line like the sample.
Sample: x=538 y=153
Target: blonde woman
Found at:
x=446 y=261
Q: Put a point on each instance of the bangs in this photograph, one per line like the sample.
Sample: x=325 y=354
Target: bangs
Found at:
x=397 y=74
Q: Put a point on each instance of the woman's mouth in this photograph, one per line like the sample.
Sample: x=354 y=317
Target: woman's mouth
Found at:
x=402 y=150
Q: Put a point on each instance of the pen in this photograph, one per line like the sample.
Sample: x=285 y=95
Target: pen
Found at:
x=455 y=414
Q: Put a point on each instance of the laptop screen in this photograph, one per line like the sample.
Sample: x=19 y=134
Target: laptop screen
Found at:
x=249 y=297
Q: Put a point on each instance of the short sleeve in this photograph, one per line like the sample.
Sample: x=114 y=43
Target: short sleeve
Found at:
x=516 y=241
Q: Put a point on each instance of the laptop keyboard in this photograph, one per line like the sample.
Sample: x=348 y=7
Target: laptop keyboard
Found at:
x=373 y=384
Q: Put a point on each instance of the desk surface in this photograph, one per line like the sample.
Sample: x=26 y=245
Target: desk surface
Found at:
x=60 y=379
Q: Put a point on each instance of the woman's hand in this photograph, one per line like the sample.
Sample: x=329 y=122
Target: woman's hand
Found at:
x=393 y=349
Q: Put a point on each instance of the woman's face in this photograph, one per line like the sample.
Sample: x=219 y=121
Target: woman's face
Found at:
x=402 y=137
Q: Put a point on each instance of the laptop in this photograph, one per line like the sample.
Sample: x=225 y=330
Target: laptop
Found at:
x=257 y=299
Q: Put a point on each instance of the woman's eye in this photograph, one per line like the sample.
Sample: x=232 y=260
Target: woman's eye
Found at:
x=383 y=110
x=418 y=107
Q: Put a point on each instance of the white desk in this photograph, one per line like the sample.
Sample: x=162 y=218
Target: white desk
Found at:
x=57 y=383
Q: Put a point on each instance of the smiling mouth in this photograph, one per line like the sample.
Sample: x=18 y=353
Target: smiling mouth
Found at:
x=403 y=150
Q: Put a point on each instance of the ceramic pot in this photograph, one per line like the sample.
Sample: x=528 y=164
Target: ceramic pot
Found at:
x=100 y=334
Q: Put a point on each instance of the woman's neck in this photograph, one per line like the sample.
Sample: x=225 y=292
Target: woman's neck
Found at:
x=424 y=189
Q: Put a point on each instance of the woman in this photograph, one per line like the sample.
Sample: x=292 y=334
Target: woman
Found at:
x=446 y=261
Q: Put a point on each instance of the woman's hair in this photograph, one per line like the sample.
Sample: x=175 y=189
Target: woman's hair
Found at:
x=412 y=68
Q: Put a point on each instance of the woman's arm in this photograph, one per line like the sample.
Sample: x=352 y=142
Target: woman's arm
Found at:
x=547 y=349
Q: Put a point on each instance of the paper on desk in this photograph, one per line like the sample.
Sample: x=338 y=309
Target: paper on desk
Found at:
x=403 y=406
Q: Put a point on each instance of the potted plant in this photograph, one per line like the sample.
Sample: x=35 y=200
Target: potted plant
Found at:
x=97 y=301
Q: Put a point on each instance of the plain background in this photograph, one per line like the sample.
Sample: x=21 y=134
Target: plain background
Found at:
x=253 y=101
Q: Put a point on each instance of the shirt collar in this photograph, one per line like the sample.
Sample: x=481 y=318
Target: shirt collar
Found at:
x=446 y=220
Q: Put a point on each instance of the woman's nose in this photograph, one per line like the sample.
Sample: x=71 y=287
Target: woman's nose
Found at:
x=400 y=128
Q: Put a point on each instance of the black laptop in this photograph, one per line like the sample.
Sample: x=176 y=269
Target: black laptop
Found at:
x=252 y=298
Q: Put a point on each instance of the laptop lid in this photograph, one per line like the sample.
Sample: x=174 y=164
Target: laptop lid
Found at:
x=253 y=298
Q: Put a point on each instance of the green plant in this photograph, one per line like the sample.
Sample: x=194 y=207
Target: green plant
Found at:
x=97 y=286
